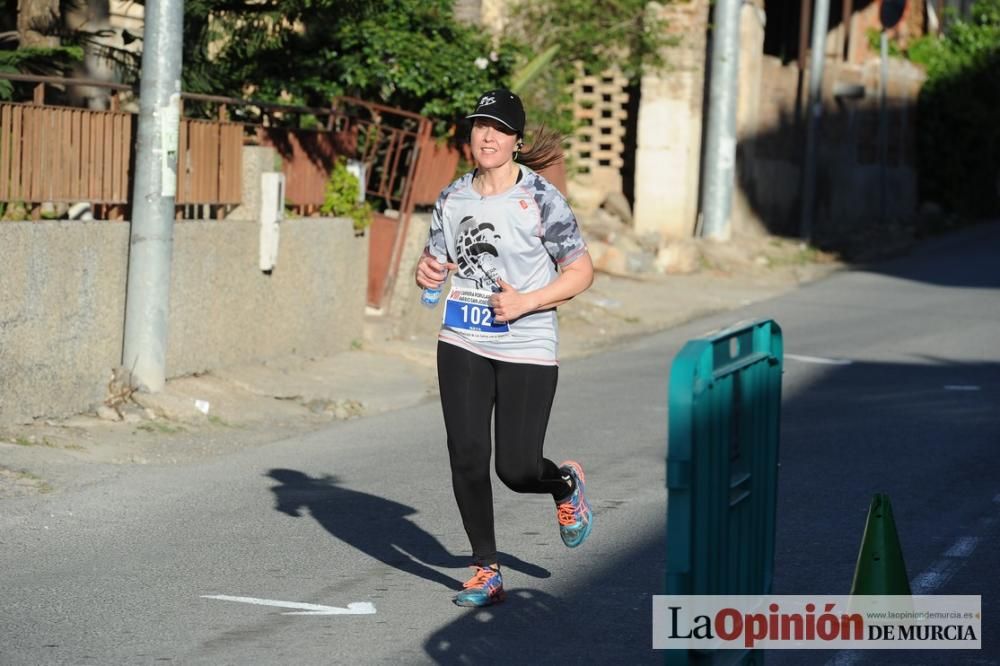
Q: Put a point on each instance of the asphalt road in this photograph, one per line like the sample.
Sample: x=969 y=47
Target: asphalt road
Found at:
x=144 y=568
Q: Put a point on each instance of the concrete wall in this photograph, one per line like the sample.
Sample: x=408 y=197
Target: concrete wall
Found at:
x=62 y=312
x=224 y=310
x=405 y=310
x=668 y=142
x=748 y=106
x=62 y=303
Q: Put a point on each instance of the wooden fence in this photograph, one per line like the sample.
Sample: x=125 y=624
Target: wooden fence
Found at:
x=210 y=163
x=52 y=154
x=55 y=154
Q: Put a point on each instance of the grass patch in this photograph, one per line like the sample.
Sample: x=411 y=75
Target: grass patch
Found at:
x=800 y=257
x=219 y=421
x=30 y=441
x=23 y=478
x=40 y=484
x=705 y=264
x=161 y=427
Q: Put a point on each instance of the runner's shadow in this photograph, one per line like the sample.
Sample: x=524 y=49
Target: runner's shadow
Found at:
x=378 y=527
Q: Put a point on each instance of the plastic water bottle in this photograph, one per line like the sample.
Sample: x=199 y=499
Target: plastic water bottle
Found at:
x=430 y=297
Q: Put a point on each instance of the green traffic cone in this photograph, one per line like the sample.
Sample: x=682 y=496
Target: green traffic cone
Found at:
x=880 y=568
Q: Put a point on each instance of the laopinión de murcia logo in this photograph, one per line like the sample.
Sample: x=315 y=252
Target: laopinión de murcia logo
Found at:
x=809 y=622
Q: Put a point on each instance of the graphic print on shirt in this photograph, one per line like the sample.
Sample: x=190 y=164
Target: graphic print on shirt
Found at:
x=478 y=258
x=532 y=233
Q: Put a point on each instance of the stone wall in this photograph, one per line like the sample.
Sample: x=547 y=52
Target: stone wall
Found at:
x=849 y=172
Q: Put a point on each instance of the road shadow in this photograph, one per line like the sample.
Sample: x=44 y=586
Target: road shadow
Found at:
x=376 y=526
x=604 y=619
x=922 y=432
x=961 y=258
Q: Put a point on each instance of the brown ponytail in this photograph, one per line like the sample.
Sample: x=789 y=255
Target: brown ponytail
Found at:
x=544 y=152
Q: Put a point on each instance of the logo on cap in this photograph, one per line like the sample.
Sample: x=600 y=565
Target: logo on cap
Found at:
x=502 y=106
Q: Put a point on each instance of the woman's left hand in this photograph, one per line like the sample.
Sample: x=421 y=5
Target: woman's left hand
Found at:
x=509 y=304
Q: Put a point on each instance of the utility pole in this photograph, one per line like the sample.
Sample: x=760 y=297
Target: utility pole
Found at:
x=151 y=246
x=883 y=126
x=719 y=168
x=814 y=110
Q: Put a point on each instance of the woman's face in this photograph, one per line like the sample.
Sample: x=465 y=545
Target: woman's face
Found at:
x=493 y=143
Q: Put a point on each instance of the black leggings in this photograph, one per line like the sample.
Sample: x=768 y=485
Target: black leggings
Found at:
x=471 y=387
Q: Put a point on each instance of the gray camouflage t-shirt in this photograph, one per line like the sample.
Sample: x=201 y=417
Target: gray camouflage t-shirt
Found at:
x=520 y=236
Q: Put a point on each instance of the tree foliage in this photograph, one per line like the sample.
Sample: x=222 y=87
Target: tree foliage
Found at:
x=407 y=53
x=34 y=40
x=595 y=33
x=43 y=61
x=590 y=34
x=412 y=54
x=959 y=132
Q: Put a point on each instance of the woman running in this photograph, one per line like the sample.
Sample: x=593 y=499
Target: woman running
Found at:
x=516 y=251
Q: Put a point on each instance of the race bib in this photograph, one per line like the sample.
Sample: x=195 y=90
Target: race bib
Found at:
x=469 y=311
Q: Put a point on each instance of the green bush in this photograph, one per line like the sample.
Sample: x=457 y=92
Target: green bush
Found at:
x=341 y=198
x=958 y=139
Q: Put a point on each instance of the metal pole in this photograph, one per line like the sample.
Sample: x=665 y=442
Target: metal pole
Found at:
x=148 y=291
x=821 y=19
x=719 y=167
x=883 y=126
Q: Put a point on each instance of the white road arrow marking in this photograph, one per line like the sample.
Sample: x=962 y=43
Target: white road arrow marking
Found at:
x=354 y=608
x=819 y=360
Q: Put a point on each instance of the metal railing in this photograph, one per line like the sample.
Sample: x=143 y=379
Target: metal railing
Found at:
x=388 y=141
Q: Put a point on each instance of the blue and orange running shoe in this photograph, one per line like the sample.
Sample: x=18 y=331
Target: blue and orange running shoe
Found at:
x=574 y=514
x=485 y=588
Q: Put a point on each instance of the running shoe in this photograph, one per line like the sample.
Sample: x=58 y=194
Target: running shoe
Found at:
x=574 y=514
x=485 y=588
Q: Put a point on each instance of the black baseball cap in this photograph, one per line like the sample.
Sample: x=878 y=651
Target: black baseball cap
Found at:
x=503 y=106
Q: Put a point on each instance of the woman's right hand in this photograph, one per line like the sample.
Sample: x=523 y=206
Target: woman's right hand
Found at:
x=431 y=273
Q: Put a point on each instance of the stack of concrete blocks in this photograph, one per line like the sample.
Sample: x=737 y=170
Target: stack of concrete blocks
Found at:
x=597 y=148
